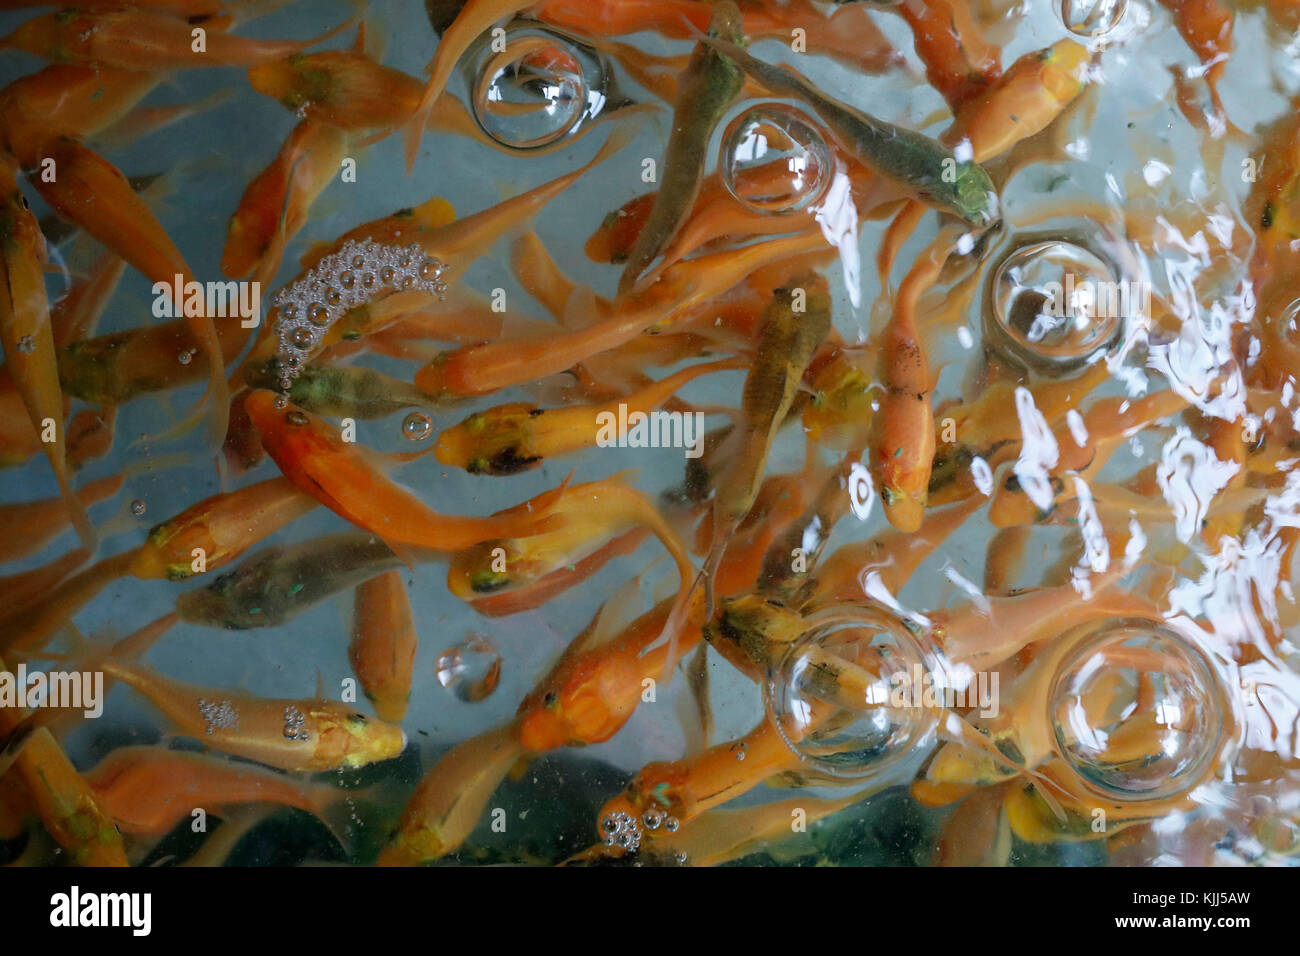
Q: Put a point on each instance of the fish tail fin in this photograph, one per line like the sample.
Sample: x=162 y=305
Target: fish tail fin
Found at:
x=358 y=16
x=620 y=138
x=77 y=511
x=697 y=670
x=177 y=431
x=88 y=655
x=673 y=625
x=82 y=657
x=217 y=394
x=244 y=11
x=900 y=230
x=414 y=130
x=718 y=540
x=337 y=813
x=545 y=503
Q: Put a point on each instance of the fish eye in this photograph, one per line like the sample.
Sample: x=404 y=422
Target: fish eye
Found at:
x=358 y=718
x=551 y=699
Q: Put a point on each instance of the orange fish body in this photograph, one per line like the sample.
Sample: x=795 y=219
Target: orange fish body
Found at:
x=219 y=529
x=149 y=790
x=312 y=454
x=93 y=193
x=384 y=643
x=28 y=339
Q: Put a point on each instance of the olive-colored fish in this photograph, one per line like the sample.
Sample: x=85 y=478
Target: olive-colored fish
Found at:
x=926 y=168
x=278 y=583
x=709 y=87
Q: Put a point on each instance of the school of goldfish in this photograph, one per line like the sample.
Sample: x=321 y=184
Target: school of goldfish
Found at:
x=1002 y=526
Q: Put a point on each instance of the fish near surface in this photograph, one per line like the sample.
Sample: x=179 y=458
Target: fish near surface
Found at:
x=926 y=168
x=313 y=455
x=709 y=87
x=796 y=322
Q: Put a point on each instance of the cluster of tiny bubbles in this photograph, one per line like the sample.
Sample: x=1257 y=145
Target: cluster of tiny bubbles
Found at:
x=774 y=159
x=343 y=280
x=417 y=426
x=470 y=669
x=622 y=830
x=1092 y=18
x=537 y=90
x=856 y=725
x=1056 y=305
x=27 y=345
x=1136 y=710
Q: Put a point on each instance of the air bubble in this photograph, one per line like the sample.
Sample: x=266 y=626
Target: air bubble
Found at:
x=302 y=338
x=1136 y=711
x=1289 y=323
x=185 y=357
x=417 y=426
x=1092 y=18
x=775 y=160
x=857 y=726
x=318 y=314
x=471 y=670
x=536 y=91
x=1056 y=304
x=27 y=345
x=137 y=507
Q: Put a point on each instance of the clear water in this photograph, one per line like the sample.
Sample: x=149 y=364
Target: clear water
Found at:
x=1122 y=186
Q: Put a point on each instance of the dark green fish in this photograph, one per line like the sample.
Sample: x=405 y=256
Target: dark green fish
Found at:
x=337 y=391
x=923 y=166
x=709 y=86
x=276 y=584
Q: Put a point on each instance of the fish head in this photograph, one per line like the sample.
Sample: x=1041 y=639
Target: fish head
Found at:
x=974 y=195
x=347 y=738
x=486 y=568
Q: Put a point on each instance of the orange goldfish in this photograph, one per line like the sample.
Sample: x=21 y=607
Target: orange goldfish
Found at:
x=383 y=645
x=312 y=454
x=29 y=341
